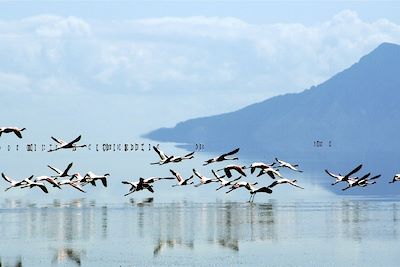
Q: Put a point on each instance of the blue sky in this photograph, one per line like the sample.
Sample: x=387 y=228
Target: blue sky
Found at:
x=173 y=60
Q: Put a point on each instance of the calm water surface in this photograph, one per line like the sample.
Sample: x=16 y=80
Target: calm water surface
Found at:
x=143 y=232
x=196 y=226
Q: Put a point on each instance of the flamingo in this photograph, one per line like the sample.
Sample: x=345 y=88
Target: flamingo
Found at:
x=254 y=191
x=164 y=158
x=396 y=178
x=343 y=178
x=14 y=183
x=161 y=154
x=271 y=172
x=238 y=185
x=285 y=181
x=284 y=164
x=224 y=182
x=363 y=181
x=32 y=184
x=90 y=177
x=74 y=181
x=17 y=131
x=203 y=179
x=176 y=159
x=260 y=165
x=61 y=173
x=228 y=168
x=223 y=157
x=151 y=180
x=64 y=145
x=49 y=179
x=180 y=179
x=138 y=186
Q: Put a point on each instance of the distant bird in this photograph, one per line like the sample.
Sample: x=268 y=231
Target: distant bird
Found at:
x=176 y=159
x=223 y=182
x=396 y=178
x=229 y=168
x=203 y=179
x=164 y=158
x=138 y=186
x=180 y=179
x=77 y=177
x=238 y=185
x=17 y=131
x=61 y=173
x=151 y=180
x=363 y=181
x=73 y=182
x=14 y=183
x=64 y=145
x=161 y=154
x=91 y=178
x=284 y=164
x=260 y=165
x=48 y=179
x=254 y=191
x=284 y=181
x=343 y=178
x=271 y=172
x=223 y=157
x=32 y=184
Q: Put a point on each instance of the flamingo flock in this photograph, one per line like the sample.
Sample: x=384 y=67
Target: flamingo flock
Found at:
x=60 y=179
x=227 y=177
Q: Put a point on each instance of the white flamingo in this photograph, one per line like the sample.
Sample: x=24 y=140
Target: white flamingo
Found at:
x=223 y=157
x=343 y=178
x=260 y=165
x=14 y=183
x=284 y=164
x=241 y=184
x=66 y=145
x=254 y=191
x=48 y=179
x=138 y=186
x=91 y=178
x=363 y=181
x=32 y=184
x=180 y=179
x=396 y=178
x=271 y=172
x=229 y=168
x=17 y=131
x=284 y=181
x=223 y=182
x=61 y=173
x=203 y=179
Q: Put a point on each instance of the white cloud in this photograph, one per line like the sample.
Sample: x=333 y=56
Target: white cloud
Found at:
x=172 y=56
x=13 y=82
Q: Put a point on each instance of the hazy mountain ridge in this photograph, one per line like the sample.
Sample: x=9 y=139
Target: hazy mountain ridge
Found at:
x=355 y=109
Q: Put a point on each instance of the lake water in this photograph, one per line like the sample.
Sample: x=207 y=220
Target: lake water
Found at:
x=142 y=232
x=317 y=226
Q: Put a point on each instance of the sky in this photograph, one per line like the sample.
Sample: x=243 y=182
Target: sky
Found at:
x=168 y=61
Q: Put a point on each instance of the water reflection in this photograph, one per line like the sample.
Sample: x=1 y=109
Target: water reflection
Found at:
x=75 y=226
x=67 y=256
x=13 y=263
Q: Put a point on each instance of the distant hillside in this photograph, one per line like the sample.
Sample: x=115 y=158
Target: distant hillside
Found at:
x=358 y=108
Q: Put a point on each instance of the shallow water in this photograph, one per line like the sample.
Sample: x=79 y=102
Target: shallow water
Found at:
x=196 y=226
x=344 y=232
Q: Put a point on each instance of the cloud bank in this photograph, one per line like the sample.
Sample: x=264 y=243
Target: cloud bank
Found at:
x=193 y=58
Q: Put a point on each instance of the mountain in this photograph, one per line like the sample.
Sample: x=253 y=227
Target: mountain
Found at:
x=356 y=109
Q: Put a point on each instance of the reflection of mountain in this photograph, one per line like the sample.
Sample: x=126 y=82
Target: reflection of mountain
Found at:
x=355 y=109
